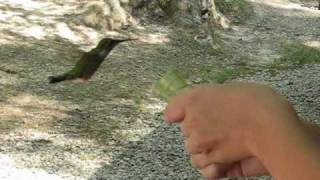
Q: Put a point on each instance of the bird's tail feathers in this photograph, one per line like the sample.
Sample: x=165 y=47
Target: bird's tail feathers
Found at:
x=60 y=78
x=56 y=79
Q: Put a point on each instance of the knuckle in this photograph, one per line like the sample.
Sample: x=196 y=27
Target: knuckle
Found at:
x=217 y=156
x=209 y=171
x=196 y=93
x=194 y=162
x=190 y=147
x=195 y=147
x=199 y=160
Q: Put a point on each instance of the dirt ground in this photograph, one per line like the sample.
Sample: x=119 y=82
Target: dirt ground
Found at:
x=80 y=131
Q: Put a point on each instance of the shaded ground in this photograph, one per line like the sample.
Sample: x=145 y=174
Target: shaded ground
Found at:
x=111 y=127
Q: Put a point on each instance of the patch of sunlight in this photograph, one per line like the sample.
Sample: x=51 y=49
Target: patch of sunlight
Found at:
x=64 y=31
x=90 y=159
x=87 y=34
x=25 y=99
x=280 y=4
x=10 y=171
x=18 y=23
x=28 y=4
x=6 y=41
x=36 y=135
x=33 y=111
x=157 y=38
x=5 y=78
x=113 y=34
x=34 y=31
x=38 y=19
x=9 y=111
x=132 y=134
x=125 y=101
x=91 y=34
x=314 y=44
x=154 y=107
x=122 y=101
x=4 y=15
x=64 y=140
x=140 y=27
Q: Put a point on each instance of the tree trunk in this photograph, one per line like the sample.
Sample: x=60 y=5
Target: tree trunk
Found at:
x=182 y=12
x=213 y=10
x=217 y=18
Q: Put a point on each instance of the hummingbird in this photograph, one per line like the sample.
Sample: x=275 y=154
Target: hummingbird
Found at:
x=89 y=62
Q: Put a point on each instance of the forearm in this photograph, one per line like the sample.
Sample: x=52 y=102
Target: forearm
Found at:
x=292 y=153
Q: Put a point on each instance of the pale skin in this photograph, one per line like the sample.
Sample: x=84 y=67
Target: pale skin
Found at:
x=245 y=130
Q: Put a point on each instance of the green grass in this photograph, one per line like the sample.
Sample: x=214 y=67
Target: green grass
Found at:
x=9 y=123
x=230 y=73
x=88 y=156
x=239 y=9
x=170 y=7
x=294 y=55
x=297 y=53
x=210 y=74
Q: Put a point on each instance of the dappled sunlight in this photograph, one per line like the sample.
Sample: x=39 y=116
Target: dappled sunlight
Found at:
x=29 y=4
x=4 y=15
x=132 y=134
x=24 y=99
x=287 y=5
x=42 y=20
x=152 y=106
x=10 y=170
x=37 y=32
x=7 y=40
x=314 y=44
x=27 y=136
x=32 y=111
x=137 y=132
x=75 y=154
x=45 y=7
x=157 y=38
x=8 y=80
x=64 y=31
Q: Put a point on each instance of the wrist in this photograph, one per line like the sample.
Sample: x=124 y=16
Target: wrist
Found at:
x=284 y=148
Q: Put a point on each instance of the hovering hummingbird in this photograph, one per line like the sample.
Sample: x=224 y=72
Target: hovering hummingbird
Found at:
x=89 y=62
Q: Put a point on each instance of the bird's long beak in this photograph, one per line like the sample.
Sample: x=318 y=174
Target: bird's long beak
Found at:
x=115 y=42
x=123 y=40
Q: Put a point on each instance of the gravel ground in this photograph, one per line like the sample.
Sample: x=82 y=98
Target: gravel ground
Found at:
x=301 y=86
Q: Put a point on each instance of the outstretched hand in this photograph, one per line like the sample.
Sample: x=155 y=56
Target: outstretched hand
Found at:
x=225 y=125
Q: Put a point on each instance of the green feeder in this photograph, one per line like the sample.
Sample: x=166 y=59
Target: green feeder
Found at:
x=169 y=85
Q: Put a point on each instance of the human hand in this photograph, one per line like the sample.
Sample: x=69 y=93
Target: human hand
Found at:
x=229 y=121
